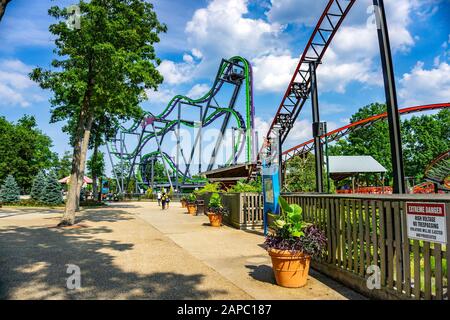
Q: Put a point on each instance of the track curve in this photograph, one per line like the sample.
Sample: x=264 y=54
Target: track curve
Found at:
x=337 y=134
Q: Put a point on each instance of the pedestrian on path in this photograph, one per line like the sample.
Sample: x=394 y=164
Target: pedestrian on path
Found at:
x=159 y=198
x=163 y=200
x=168 y=202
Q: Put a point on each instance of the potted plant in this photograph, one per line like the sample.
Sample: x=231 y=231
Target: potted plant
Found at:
x=215 y=210
x=291 y=246
x=191 y=204
x=184 y=201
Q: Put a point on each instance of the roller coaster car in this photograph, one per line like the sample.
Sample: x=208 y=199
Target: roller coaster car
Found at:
x=235 y=76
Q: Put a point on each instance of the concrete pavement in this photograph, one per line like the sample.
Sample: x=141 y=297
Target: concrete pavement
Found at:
x=137 y=251
x=236 y=255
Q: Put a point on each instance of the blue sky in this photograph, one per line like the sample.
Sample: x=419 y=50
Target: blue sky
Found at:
x=269 y=33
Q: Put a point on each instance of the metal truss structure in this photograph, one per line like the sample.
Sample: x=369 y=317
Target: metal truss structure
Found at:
x=438 y=172
x=338 y=134
x=300 y=87
x=237 y=74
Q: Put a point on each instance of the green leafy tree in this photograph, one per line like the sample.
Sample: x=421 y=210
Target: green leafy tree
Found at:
x=103 y=71
x=52 y=192
x=96 y=169
x=368 y=141
x=3 y=4
x=301 y=175
x=24 y=151
x=10 y=191
x=424 y=139
x=64 y=165
x=39 y=184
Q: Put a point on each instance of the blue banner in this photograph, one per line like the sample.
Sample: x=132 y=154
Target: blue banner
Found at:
x=271 y=180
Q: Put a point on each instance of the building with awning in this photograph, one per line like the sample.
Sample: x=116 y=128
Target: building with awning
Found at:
x=343 y=167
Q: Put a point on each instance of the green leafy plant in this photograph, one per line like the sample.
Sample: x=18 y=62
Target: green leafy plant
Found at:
x=149 y=194
x=246 y=187
x=52 y=192
x=290 y=223
x=10 y=191
x=209 y=188
x=37 y=189
x=293 y=233
x=215 y=205
x=191 y=199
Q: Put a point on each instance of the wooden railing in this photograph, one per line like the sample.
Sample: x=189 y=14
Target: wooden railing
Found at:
x=365 y=231
x=253 y=209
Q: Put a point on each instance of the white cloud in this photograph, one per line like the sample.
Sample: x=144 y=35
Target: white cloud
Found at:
x=422 y=86
x=293 y=11
x=162 y=96
x=301 y=132
x=16 y=89
x=222 y=30
x=198 y=90
x=273 y=72
x=354 y=54
x=177 y=73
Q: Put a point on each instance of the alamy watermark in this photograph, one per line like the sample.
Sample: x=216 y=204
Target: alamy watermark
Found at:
x=74 y=17
x=74 y=280
x=374 y=279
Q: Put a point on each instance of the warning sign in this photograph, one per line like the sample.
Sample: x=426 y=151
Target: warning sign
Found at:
x=427 y=222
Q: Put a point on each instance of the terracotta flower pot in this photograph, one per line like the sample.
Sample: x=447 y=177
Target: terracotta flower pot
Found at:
x=291 y=269
x=183 y=204
x=192 y=209
x=215 y=219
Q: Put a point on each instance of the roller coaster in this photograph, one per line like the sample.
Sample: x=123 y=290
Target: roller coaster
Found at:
x=338 y=134
x=233 y=74
x=237 y=72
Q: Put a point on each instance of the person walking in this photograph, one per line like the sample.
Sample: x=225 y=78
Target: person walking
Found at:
x=168 y=201
x=159 y=195
x=163 y=200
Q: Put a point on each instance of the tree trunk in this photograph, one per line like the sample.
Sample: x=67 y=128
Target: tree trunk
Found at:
x=79 y=157
x=3 y=4
x=94 y=173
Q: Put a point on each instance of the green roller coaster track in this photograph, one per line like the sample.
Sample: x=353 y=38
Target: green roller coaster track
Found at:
x=169 y=125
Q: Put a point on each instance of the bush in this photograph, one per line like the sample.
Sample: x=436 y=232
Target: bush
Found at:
x=39 y=183
x=209 y=188
x=294 y=234
x=10 y=191
x=215 y=204
x=52 y=192
x=191 y=199
x=243 y=187
x=149 y=193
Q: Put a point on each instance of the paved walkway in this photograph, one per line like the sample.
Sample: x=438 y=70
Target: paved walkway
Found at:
x=136 y=251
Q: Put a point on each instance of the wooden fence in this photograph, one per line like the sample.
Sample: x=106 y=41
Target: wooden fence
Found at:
x=245 y=210
x=366 y=231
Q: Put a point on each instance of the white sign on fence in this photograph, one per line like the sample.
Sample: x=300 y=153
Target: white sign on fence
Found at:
x=427 y=222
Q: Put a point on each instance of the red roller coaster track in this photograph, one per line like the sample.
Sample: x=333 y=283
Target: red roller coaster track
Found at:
x=337 y=134
x=299 y=88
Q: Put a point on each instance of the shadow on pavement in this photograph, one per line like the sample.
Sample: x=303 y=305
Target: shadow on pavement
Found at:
x=34 y=260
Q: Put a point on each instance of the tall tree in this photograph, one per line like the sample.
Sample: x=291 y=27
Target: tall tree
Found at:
x=3 y=4
x=38 y=188
x=10 y=191
x=424 y=138
x=103 y=71
x=96 y=169
x=64 y=165
x=24 y=151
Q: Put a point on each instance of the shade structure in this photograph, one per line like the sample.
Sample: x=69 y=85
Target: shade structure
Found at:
x=66 y=180
x=345 y=166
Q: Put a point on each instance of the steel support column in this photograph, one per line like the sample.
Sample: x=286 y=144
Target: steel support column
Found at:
x=391 y=98
x=316 y=128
